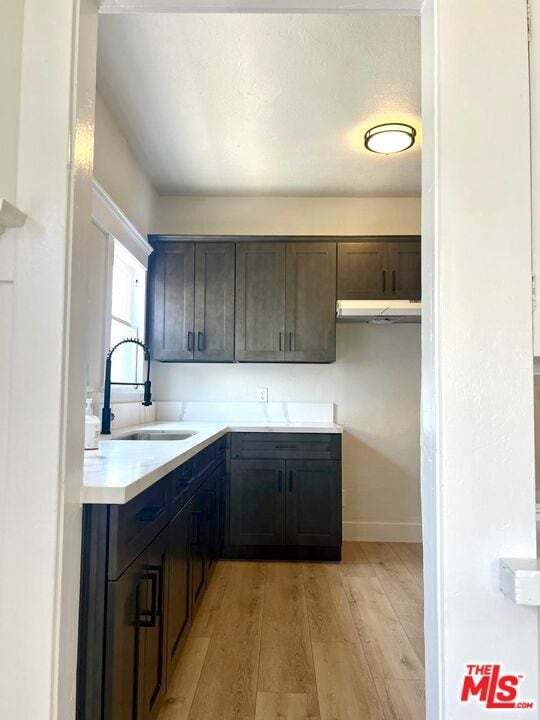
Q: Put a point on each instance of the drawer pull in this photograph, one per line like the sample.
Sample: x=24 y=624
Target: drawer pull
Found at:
x=286 y=447
x=150 y=514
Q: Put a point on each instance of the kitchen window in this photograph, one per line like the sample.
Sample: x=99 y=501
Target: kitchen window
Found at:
x=127 y=315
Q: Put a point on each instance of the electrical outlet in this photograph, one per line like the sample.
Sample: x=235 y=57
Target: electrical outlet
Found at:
x=262 y=394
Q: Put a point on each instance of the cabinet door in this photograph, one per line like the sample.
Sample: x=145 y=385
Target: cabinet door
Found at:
x=214 y=302
x=127 y=608
x=154 y=627
x=310 y=317
x=179 y=600
x=404 y=260
x=171 y=296
x=211 y=521
x=257 y=502
x=314 y=502
x=260 y=302
x=197 y=545
x=362 y=271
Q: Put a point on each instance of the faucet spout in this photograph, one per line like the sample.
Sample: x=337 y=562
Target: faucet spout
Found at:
x=106 y=414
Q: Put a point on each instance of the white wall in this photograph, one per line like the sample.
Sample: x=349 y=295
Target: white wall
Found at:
x=375 y=382
x=117 y=170
x=478 y=495
x=375 y=385
x=288 y=216
x=11 y=25
x=40 y=512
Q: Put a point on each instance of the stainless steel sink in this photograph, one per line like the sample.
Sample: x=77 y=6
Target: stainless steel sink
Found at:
x=156 y=435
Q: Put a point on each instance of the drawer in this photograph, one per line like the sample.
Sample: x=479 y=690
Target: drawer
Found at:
x=286 y=446
x=182 y=485
x=204 y=460
x=133 y=526
x=186 y=479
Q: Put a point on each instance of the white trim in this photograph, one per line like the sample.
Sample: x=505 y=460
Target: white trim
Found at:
x=403 y=7
x=10 y=216
x=382 y=532
x=109 y=217
x=520 y=580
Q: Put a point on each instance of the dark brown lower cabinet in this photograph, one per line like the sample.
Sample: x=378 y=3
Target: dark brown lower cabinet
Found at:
x=127 y=604
x=179 y=600
x=135 y=640
x=153 y=626
x=214 y=519
x=257 y=502
x=197 y=546
x=283 y=505
x=133 y=626
x=313 y=503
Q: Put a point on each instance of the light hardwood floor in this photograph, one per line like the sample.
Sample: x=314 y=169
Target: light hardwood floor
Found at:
x=293 y=641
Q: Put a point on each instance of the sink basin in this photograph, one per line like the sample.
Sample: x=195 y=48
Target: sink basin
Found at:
x=156 y=435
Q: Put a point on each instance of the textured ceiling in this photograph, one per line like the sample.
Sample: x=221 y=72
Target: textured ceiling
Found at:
x=263 y=104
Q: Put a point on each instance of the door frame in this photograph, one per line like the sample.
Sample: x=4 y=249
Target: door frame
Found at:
x=472 y=384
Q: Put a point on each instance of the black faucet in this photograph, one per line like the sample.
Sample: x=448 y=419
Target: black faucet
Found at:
x=106 y=414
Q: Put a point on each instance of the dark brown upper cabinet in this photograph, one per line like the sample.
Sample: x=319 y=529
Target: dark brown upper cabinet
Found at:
x=260 y=301
x=171 y=293
x=191 y=302
x=404 y=261
x=285 y=302
x=376 y=269
x=310 y=302
x=214 y=302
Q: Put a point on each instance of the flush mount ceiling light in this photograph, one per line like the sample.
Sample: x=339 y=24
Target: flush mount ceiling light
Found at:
x=390 y=138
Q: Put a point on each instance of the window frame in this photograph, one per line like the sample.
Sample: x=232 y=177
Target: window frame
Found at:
x=138 y=273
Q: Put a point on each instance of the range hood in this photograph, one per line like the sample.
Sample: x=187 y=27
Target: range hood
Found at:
x=379 y=312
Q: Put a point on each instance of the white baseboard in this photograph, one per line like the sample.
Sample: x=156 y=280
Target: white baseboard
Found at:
x=382 y=532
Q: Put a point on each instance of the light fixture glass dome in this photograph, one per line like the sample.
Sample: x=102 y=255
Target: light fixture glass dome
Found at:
x=390 y=138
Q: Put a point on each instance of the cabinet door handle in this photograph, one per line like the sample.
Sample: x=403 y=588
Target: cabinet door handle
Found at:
x=200 y=342
x=150 y=616
x=190 y=341
x=290 y=480
x=384 y=281
x=280 y=480
x=394 y=281
x=158 y=571
x=290 y=342
x=280 y=341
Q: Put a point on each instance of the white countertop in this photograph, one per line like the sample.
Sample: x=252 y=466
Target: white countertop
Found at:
x=124 y=468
